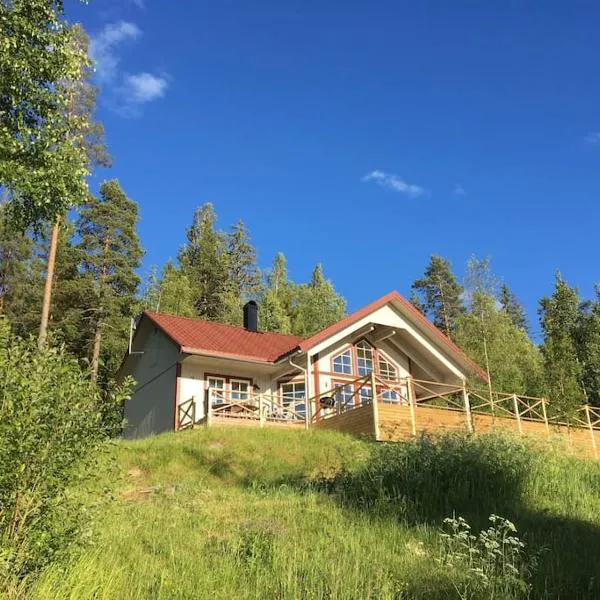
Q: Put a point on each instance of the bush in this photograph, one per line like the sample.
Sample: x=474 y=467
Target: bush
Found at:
x=493 y=563
x=52 y=429
x=428 y=478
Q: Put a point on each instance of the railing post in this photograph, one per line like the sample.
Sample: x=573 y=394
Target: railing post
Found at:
x=193 y=411
x=545 y=416
x=209 y=409
x=467 y=408
x=589 y=420
x=261 y=410
x=375 y=406
x=411 y=403
x=517 y=413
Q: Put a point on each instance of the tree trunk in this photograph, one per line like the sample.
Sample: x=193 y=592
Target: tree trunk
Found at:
x=48 y=285
x=96 y=350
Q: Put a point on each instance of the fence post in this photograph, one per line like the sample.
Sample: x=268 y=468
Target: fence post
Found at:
x=545 y=416
x=517 y=413
x=411 y=403
x=467 y=408
x=193 y=411
x=209 y=409
x=261 y=410
x=589 y=420
x=375 y=406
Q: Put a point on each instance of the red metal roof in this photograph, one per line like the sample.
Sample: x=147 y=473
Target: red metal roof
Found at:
x=204 y=337
x=322 y=335
x=216 y=339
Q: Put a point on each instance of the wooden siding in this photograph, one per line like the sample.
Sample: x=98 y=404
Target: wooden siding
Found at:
x=395 y=421
x=358 y=421
x=395 y=424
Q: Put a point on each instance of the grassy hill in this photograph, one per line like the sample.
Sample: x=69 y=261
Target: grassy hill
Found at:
x=239 y=513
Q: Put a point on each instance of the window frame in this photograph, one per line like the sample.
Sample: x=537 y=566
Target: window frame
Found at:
x=347 y=350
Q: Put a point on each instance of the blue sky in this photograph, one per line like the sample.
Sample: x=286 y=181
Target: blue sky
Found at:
x=363 y=135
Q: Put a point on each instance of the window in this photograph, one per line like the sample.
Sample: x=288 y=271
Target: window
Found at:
x=386 y=369
x=344 y=396
x=366 y=395
x=342 y=363
x=240 y=390
x=216 y=390
x=364 y=358
x=390 y=396
x=293 y=394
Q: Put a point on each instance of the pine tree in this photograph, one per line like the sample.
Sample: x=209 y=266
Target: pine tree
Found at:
x=440 y=294
x=277 y=303
x=203 y=260
x=20 y=277
x=513 y=308
x=111 y=253
x=317 y=305
x=559 y=316
x=416 y=302
x=587 y=340
x=244 y=274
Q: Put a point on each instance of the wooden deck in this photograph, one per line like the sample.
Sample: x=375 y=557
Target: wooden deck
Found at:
x=431 y=407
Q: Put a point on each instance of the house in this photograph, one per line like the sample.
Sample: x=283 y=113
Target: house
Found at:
x=190 y=371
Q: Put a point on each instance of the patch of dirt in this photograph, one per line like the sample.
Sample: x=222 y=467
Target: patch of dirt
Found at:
x=138 y=494
x=135 y=472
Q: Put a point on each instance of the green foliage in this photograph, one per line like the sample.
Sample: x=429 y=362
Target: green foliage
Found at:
x=512 y=307
x=170 y=293
x=110 y=253
x=289 y=514
x=317 y=305
x=559 y=316
x=440 y=294
x=51 y=430
x=41 y=162
x=587 y=340
x=21 y=277
x=203 y=260
x=276 y=308
x=488 y=334
x=494 y=562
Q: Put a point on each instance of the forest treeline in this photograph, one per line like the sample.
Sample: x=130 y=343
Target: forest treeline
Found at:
x=70 y=283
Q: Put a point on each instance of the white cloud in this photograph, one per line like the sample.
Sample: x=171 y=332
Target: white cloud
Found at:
x=143 y=87
x=103 y=48
x=593 y=138
x=394 y=183
x=459 y=190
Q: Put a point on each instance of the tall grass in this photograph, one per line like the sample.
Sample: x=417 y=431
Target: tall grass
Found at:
x=232 y=513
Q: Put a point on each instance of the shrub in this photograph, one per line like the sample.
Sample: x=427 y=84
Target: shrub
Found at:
x=51 y=432
x=493 y=562
x=430 y=477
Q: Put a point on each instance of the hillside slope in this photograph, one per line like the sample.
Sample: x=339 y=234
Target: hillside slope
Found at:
x=239 y=513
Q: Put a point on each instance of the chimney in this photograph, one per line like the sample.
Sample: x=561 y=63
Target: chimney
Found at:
x=251 y=316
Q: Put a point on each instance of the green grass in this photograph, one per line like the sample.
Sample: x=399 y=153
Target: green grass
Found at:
x=239 y=513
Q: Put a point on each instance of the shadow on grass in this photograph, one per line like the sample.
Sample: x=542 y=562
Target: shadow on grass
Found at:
x=425 y=480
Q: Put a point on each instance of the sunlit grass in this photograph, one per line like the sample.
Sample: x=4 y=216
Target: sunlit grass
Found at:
x=236 y=513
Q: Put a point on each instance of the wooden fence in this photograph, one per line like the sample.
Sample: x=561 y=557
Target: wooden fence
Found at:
x=388 y=410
